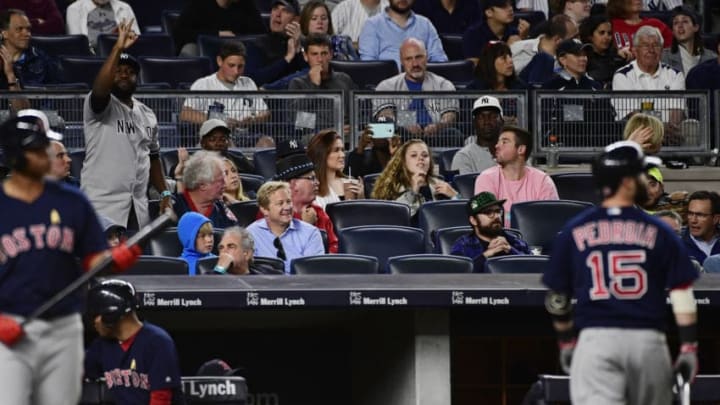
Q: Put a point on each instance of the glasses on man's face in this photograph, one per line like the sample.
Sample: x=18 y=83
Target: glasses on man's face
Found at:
x=698 y=215
x=492 y=213
x=280 y=249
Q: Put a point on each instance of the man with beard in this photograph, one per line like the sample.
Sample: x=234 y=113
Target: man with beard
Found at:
x=479 y=155
x=488 y=239
x=121 y=141
x=383 y=34
x=608 y=278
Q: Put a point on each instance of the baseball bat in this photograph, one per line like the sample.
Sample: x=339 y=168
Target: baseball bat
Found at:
x=9 y=336
x=683 y=389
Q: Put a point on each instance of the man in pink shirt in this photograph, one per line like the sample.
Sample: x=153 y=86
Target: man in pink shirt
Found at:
x=512 y=179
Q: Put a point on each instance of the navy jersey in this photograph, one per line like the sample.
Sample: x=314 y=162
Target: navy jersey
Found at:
x=150 y=363
x=40 y=244
x=618 y=263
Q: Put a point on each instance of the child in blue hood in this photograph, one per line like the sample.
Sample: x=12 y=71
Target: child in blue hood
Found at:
x=195 y=232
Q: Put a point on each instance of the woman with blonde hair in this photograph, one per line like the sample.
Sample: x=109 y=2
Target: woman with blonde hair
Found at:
x=409 y=178
x=327 y=152
x=233 y=185
x=646 y=130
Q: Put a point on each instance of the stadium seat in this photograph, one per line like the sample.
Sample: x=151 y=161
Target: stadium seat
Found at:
x=245 y=211
x=173 y=70
x=168 y=19
x=445 y=163
x=264 y=161
x=155 y=265
x=169 y=158
x=445 y=237
x=381 y=241
x=429 y=263
x=79 y=69
x=540 y=221
x=460 y=72
x=68 y=45
x=453 y=46
x=166 y=243
x=270 y=266
x=78 y=157
x=149 y=13
x=345 y=214
x=576 y=186
x=465 y=184
x=434 y=215
x=273 y=262
x=251 y=182
x=366 y=74
x=156 y=45
x=517 y=264
x=334 y=264
x=369 y=182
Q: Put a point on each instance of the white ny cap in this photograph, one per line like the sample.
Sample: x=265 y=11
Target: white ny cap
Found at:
x=29 y=112
x=487 y=102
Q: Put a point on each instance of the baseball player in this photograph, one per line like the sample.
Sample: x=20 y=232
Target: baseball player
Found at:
x=46 y=227
x=121 y=144
x=617 y=262
x=137 y=359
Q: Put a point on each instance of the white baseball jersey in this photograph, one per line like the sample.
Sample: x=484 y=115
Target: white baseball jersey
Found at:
x=116 y=171
x=236 y=107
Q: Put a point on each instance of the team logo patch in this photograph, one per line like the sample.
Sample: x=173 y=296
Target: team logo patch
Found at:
x=54 y=217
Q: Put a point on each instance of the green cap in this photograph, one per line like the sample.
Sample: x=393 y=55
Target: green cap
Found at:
x=481 y=201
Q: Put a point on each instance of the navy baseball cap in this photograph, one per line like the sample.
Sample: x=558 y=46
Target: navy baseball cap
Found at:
x=496 y=3
x=127 y=59
x=291 y=5
x=571 y=46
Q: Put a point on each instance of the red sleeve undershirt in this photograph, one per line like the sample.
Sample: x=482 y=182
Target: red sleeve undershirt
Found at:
x=161 y=397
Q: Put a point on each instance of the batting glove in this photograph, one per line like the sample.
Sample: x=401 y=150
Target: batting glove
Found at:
x=687 y=361
x=125 y=256
x=567 y=348
x=10 y=330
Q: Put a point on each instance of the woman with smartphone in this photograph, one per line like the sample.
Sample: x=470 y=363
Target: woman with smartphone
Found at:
x=327 y=152
x=409 y=178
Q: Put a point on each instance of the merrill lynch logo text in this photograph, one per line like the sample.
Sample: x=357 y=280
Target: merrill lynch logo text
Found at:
x=150 y=300
x=255 y=300
x=459 y=298
x=356 y=298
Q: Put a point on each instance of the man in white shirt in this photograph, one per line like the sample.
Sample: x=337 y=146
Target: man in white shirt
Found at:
x=477 y=155
x=349 y=16
x=236 y=111
x=95 y=17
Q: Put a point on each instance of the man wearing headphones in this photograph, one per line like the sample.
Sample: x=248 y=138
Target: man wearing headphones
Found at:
x=137 y=359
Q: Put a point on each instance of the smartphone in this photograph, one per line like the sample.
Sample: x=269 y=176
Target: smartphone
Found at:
x=382 y=130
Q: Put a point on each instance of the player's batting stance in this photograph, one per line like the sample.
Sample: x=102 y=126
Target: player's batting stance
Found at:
x=617 y=261
x=45 y=227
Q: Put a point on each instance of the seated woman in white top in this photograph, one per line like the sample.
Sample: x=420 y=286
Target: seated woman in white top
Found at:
x=327 y=152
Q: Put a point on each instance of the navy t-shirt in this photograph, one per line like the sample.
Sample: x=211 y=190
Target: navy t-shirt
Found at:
x=149 y=364
x=477 y=36
x=618 y=263
x=40 y=244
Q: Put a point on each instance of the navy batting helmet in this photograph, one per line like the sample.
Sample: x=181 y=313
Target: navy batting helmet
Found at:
x=19 y=134
x=111 y=299
x=619 y=160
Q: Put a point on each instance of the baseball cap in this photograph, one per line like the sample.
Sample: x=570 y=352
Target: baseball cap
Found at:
x=127 y=59
x=209 y=125
x=29 y=112
x=291 y=5
x=495 y=3
x=481 y=201
x=571 y=46
x=108 y=225
x=289 y=147
x=217 y=368
x=293 y=166
x=685 y=10
x=655 y=173
x=23 y=133
x=487 y=102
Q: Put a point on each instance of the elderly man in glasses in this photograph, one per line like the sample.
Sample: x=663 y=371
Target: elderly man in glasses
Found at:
x=488 y=239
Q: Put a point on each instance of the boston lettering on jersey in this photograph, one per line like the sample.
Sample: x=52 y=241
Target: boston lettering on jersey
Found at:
x=126 y=378
x=614 y=231
x=37 y=236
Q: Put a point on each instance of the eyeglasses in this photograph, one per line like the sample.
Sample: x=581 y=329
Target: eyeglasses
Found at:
x=699 y=215
x=311 y=178
x=492 y=213
x=280 y=249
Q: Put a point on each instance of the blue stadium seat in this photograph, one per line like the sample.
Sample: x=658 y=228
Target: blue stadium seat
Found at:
x=157 y=45
x=465 y=184
x=334 y=264
x=169 y=158
x=245 y=211
x=366 y=74
x=166 y=243
x=251 y=182
x=149 y=13
x=264 y=161
x=434 y=215
x=381 y=241
x=576 y=186
x=445 y=164
x=445 y=237
x=369 y=183
x=452 y=44
x=429 y=264
x=80 y=69
x=78 y=157
x=540 y=221
x=173 y=70
x=154 y=265
x=269 y=265
x=56 y=45
x=345 y=214
x=460 y=72
x=273 y=262
x=517 y=264
x=168 y=19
